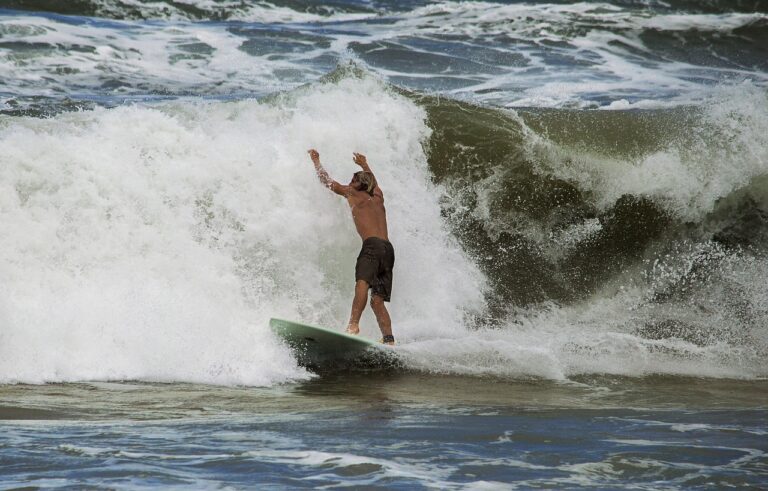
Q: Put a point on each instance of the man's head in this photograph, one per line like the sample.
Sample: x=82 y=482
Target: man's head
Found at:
x=363 y=181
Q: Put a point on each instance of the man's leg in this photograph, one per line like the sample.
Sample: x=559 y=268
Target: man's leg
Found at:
x=382 y=316
x=358 y=305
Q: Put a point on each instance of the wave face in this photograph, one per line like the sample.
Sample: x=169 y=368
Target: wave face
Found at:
x=622 y=241
x=564 y=55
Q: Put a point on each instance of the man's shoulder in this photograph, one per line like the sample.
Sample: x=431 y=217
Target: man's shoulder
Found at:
x=355 y=196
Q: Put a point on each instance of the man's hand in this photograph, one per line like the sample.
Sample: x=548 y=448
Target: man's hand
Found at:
x=314 y=155
x=360 y=159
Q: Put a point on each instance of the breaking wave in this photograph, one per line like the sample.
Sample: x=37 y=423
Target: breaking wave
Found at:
x=154 y=242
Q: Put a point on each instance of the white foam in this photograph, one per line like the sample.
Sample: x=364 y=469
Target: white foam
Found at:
x=155 y=243
x=579 y=55
x=603 y=335
x=138 y=55
x=607 y=67
x=264 y=12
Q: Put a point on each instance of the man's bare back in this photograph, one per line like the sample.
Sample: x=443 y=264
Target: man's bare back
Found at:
x=377 y=257
x=368 y=213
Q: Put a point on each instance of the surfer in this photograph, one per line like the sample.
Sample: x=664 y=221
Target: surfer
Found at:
x=373 y=269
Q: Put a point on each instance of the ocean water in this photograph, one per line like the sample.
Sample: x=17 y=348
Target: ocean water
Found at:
x=578 y=196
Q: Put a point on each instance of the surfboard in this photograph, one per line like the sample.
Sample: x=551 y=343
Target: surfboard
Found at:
x=314 y=345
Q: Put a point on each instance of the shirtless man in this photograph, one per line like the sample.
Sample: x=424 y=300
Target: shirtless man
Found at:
x=377 y=257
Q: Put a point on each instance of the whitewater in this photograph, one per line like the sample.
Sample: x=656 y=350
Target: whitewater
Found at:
x=154 y=243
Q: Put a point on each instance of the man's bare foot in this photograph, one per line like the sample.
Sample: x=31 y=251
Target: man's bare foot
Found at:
x=353 y=329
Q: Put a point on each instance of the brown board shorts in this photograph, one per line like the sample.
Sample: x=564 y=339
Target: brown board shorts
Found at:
x=374 y=266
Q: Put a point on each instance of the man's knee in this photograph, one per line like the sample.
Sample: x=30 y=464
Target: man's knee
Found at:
x=362 y=285
x=376 y=300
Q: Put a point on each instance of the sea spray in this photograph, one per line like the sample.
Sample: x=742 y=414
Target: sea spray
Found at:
x=154 y=243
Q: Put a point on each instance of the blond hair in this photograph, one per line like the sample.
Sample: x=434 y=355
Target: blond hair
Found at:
x=367 y=181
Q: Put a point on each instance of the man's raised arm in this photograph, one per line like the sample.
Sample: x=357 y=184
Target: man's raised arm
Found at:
x=324 y=177
x=362 y=161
